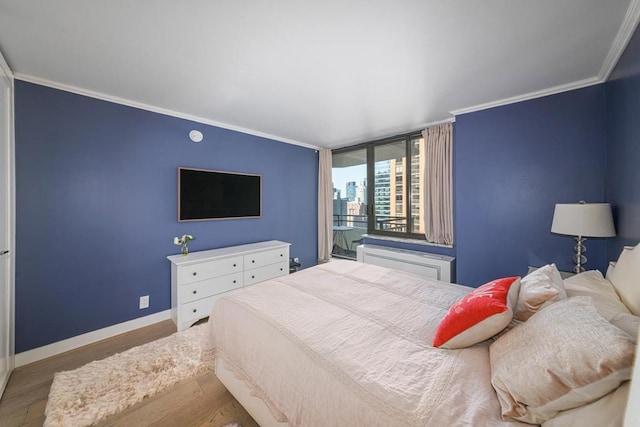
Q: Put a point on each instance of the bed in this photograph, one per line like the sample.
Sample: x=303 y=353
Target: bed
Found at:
x=348 y=343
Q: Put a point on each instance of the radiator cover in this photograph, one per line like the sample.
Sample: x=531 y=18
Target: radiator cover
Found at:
x=439 y=267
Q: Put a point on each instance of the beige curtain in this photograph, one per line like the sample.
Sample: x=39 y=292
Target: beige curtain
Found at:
x=437 y=191
x=325 y=206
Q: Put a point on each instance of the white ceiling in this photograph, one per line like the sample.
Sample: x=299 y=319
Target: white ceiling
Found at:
x=327 y=73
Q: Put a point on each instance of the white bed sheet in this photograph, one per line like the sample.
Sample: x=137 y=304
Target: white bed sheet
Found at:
x=347 y=343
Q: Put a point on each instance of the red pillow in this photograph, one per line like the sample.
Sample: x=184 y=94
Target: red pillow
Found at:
x=479 y=315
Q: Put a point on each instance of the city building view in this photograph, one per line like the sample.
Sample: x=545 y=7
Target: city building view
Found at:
x=390 y=204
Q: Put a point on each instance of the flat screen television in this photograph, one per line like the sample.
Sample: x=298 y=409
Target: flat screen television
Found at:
x=208 y=194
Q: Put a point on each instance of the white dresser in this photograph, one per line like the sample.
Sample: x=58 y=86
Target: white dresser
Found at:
x=199 y=278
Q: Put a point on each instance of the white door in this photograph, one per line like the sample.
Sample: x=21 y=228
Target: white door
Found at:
x=6 y=225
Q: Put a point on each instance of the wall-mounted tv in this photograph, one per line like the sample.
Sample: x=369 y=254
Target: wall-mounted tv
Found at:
x=208 y=194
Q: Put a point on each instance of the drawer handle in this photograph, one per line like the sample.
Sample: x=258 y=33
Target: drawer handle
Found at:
x=194 y=273
x=280 y=270
x=281 y=255
x=234 y=281
x=234 y=265
x=195 y=309
x=253 y=260
x=253 y=277
x=195 y=292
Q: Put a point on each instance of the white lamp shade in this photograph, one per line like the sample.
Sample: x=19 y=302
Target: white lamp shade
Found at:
x=583 y=219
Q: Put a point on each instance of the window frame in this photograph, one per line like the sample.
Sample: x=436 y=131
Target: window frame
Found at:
x=370 y=156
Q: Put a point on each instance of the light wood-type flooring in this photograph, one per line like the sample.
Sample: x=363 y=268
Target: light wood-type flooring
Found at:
x=200 y=401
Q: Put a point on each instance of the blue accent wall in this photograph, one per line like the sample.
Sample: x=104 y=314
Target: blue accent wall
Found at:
x=623 y=147
x=96 y=191
x=512 y=164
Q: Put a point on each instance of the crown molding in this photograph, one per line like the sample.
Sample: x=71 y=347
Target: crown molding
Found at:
x=438 y=122
x=5 y=67
x=531 y=95
x=628 y=27
x=154 y=109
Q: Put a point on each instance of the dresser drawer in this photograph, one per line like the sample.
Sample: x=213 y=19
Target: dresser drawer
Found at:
x=267 y=272
x=195 y=310
x=260 y=259
x=205 y=270
x=205 y=288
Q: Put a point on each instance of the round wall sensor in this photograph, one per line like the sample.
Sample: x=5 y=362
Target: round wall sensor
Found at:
x=195 y=136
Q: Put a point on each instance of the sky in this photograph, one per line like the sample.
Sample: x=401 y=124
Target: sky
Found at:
x=341 y=176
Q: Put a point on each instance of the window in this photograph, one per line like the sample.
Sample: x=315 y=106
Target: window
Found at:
x=392 y=205
x=350 y=216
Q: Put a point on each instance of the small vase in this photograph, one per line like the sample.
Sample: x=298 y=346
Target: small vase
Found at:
x=185 y=249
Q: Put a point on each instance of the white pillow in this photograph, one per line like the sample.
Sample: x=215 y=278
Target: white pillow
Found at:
x=592 y=284
x=607 y=411
x=563 y=357
x=606 y=299
x=537 y=290
x=626 y=278
x=628 y=323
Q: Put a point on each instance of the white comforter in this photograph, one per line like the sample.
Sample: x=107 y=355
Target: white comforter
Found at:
x=349 y=344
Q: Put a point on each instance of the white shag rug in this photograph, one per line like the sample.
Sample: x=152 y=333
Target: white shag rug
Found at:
x=105 y=387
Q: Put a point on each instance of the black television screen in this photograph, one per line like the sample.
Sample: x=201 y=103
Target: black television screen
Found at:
x=208 y=194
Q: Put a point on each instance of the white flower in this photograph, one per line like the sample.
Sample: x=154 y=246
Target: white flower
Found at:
x=184 y=239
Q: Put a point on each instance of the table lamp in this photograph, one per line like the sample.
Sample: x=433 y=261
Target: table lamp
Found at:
x=582 y=220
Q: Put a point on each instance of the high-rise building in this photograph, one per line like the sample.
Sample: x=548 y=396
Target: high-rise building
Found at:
x=356 y=214
x=417 y=183
x=336 y=194
x=389 y=194
x=339 y=211
x=351 y=191
x=382 y=192
x=361 y=191
x=397 y=185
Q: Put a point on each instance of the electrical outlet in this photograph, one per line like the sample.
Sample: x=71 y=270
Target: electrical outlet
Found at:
x=296 y=260
x=144 y=302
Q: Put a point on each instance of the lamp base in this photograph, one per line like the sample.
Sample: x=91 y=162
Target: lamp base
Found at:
x=579 y=259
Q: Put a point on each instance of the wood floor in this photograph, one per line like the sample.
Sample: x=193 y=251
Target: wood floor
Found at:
x=200 y=401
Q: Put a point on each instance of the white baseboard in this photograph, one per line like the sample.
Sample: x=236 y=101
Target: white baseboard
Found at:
x=72 y=343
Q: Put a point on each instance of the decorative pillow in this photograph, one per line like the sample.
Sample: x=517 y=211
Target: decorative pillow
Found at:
x=537 y=290
x=592 y=284
x=564 y=356
x=479 y=315
x=626 y=278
